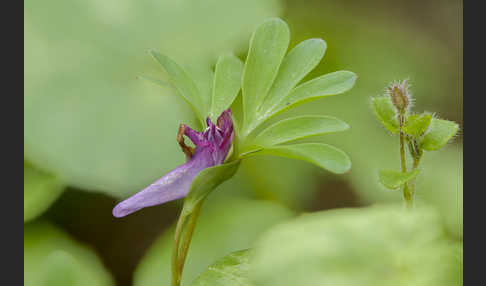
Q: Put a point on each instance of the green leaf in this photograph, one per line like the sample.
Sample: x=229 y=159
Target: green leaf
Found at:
x=51 y=257
x=267 y=49
x=296 y=65
x=372 y=246
x=417 y=125
x=224 y=226
x=41 y=189
x=439 y=133
x=299 y=127
x=183 y=83
x=206 y=181
x=386 y=113
x=325 y=85
x=395 y=179
x=227 y=82
x=319 y=154
x=231 y=270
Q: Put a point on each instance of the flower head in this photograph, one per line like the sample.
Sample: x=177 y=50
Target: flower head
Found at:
x=400 y=95
x=212 y=147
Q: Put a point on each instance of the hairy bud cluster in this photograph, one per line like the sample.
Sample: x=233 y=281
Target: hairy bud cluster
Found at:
x=399 y=95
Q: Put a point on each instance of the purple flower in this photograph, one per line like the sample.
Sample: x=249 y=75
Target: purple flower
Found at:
x=212 y=146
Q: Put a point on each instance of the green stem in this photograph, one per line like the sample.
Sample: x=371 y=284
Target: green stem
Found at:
x=191 y=225
x=182 y=239
x=417 y=155
x=407 y=195
x=176 y=274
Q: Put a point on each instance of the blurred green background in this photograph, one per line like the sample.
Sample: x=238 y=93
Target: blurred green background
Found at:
x=94 y=133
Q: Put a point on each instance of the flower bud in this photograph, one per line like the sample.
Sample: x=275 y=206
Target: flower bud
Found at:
x=399 y=95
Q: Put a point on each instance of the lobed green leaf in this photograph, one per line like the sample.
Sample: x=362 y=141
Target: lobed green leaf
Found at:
x=325 y=85
x=182 y=82
x=267 y=49
x=386 y=113
x=417 y=125
x=227 y=83
x=439 y=133
x=322 y=155
x=299 y=127
x=302 y=59
x=231 y=270
x=395 y=179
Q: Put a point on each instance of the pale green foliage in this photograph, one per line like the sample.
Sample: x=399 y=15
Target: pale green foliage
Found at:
x=227 y=82
x=41 y=189
x=440 y=132
x=51 y=257
x=322 y=155
x=184 y=84
x=267 y=49
x=395 y=179
x=269 y=86
x=381 y=245
x=299 y=127
x=417 y=125
x=302 y=59
x=231 y=270
x=386 y=112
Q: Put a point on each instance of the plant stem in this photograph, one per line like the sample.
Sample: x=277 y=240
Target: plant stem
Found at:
x=187 y=222
x=417 y=155
x=176 y=274
x=191 y=225
x=407 y=194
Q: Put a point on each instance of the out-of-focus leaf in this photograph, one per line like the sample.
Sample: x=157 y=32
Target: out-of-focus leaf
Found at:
x=51 y=257
x=299 y=127
x=386 y=113
x=380 y=245
x=417 y=125
x=322 y=155
x=223 y=227
x=87 y=119
x=206 y=181
x=439 y=133
x=184 y=84
x=395 y=179
x=227 y=83
x=231 y=270
x=41 y=189
x=267 y=49
x=295 y=66
x=442 y=185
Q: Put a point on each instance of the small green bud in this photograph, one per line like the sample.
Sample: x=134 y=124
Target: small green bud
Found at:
x=399 y=95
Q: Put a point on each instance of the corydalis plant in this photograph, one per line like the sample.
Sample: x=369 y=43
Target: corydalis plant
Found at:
x=269 y=83
x=417 y=132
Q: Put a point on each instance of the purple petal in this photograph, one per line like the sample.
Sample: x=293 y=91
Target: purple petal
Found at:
x=212 y=147
x=174 y=185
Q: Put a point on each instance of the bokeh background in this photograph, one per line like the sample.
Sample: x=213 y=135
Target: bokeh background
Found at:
x=94 y=133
